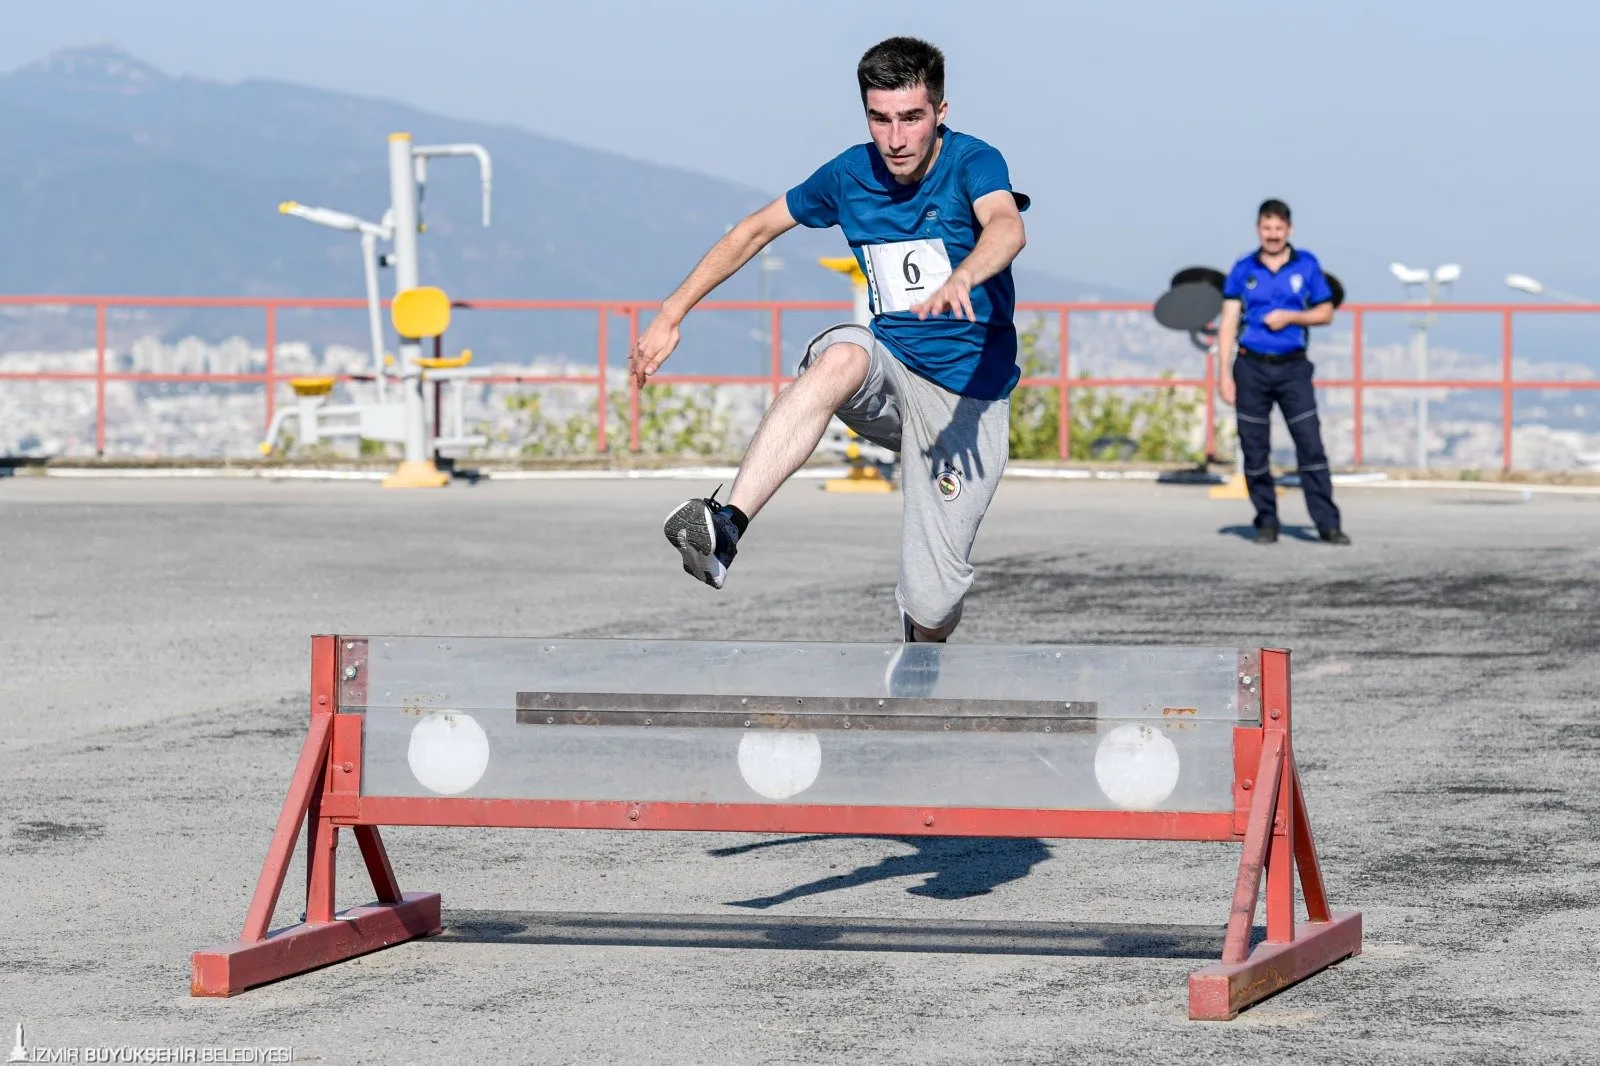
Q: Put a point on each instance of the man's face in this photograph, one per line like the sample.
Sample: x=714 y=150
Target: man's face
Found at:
x=1273 y=232
x=905 y=126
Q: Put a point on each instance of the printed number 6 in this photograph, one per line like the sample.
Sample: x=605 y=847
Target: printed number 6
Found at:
x=912 y=272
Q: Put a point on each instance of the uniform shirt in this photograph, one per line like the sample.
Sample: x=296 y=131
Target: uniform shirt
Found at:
x=908 y=240
x=1298 y=285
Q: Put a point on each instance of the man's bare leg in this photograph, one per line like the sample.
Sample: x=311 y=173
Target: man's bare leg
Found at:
x=795 y=422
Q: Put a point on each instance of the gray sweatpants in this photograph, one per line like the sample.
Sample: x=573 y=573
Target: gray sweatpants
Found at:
x=952 y=449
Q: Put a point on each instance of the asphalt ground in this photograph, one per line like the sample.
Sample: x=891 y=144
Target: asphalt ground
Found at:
x=154 y=647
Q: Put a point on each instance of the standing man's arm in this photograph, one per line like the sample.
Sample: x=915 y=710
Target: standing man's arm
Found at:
x=736 y=248
x=1319 y=315
x=1320 y=311
x=1000 y=242
x=1227 y=341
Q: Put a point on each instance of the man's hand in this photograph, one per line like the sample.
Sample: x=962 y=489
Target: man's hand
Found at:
x=1276 y=320
x=955 y=295
x=1225 y=389
x=653 y=347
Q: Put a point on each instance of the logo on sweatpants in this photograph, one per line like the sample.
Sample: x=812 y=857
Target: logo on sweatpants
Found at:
x=949 y=484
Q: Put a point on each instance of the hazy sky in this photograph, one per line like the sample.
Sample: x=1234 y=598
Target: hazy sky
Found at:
x=1146 y=130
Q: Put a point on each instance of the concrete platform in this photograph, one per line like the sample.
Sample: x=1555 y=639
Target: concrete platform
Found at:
x=154 y=648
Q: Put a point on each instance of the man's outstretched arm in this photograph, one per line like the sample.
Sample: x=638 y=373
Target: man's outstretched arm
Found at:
x=736 y=248
x=1000 y=242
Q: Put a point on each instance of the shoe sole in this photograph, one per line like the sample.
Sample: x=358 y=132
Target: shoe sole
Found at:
x=688 y=528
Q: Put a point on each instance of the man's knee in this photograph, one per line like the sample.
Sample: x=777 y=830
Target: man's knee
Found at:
x=933 y=610
x=841 y=368
x=1255 y=431
x=1306 y=430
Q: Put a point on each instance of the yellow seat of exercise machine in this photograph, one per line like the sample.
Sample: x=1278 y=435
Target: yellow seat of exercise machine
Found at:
x=451 y=362
x=421 y=313
x=846 y=265
x=862 y=477
x=320 y=386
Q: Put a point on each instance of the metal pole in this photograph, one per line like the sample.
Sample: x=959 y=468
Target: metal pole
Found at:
x=603 y=342
x=1507 y=410
x=369 y=262
x=1064 y=399
x=100 y=378
x=633 y=387
x=777 y=352
x=403 y=201
x=271 y=368
x=1422 y=375
x=1358 y=382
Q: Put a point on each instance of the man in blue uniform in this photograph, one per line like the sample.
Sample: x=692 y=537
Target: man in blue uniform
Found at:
x=931 y=218
x=1276 y=292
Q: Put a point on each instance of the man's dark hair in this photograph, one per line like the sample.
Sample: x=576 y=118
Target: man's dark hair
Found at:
x=902 y=63
x=1273 y=209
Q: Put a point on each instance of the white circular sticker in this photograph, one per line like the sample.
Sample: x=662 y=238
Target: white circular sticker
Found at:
x=1136 y=766
x=779 y=764
x=449 y=752
x=949 y=485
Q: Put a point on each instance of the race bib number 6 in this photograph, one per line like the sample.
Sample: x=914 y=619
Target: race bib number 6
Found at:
x=905 y=273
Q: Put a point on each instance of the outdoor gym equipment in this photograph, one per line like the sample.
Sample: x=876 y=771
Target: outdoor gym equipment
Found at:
x=407 y=422
x=1142 y=743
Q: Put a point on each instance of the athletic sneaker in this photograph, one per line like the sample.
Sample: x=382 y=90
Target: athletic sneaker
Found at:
x=913 y=668
x=704 y=533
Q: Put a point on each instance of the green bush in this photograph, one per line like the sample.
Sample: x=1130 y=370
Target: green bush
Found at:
x=673 y=420
x=1160 y=421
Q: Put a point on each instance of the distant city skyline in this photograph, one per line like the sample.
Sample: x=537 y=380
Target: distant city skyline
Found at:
x=1146 y=132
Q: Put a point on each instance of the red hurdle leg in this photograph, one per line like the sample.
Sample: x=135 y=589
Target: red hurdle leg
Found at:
x=324 y=936
x=1277 y=838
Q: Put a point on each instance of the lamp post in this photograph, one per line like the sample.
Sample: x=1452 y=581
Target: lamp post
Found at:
x=767 y=264
x=1523 y=283
x=1431 y=286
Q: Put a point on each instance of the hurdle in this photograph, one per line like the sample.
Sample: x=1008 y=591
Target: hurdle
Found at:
x=1056 y=742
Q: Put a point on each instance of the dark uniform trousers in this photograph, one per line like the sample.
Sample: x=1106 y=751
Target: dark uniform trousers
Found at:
x=1259 y=383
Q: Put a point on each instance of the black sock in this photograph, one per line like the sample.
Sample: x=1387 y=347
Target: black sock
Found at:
x=740 y=521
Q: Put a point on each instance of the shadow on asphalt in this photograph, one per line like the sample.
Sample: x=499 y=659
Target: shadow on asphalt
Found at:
x=956 y=867
x=1306 y=533
x=952 y=868
x=837 y=934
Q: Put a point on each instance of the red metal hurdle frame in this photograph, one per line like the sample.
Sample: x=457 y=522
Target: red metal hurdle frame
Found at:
x=1269 y=819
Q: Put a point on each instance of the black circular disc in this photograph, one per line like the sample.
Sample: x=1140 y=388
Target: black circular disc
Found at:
x=1215 y=278
x=1337 y=286
x=1188 y=307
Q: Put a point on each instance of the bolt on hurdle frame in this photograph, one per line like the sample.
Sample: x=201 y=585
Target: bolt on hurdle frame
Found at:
x=1188 y=744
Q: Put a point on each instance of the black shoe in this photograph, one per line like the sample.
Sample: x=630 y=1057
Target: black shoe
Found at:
x=1266 y=534
x=914 y=667
x=1333 y=536
x=704 y=534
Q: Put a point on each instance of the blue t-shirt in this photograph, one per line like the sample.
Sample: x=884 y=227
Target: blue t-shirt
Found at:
x=908 y=239
x=1298 y=285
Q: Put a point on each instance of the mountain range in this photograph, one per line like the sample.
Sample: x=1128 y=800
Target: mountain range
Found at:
x=119 y=178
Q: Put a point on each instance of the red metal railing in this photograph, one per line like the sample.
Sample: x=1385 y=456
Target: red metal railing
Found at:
x=632 y=311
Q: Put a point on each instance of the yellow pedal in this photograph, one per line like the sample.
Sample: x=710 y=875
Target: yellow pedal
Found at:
x=860 y=479
x=1232 y=489
x=418 y=475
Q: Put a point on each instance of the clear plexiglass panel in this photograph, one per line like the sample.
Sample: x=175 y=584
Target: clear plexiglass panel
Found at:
x=487 y=673
x=1031 y=726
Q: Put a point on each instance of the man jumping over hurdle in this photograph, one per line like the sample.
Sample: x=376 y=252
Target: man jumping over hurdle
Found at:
x=930 y=216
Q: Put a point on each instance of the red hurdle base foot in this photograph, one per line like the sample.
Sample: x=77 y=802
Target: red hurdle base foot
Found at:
x=231 y=968
x=1220 y=991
